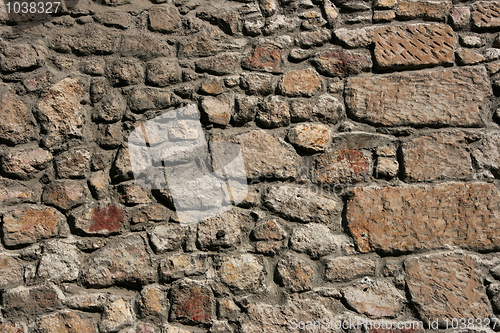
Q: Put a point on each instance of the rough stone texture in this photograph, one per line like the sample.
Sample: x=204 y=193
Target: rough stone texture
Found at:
x=294 y=273
x=439 y=155
x=314 y=239
x=163 y=72
x=340 y=166
x=164 y=19
x=192 y=303
x=216 y=110
x=242 y=273
x=60 y=262
x=435 y=11
x=35 y=300
x=411 y=98
x=16 y=125
x=168 y=237
x=178 y=265
x=73 y=163
x=403 y=219
x=300 y=83
x=223 y=231
x=11 y=273
x=310 y=137
x=25 y=163
x=64 y=194
x=340 y=63
x=273 y=112
x=485 y=15
x=342 y=269
x=266 y=57
x=454 y=290
x=66 y=322
x=414 y=45
x=117 y=315
x=99 y=220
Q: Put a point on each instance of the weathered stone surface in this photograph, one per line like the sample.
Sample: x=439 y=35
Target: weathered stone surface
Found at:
x=117 y=315
x=24 y=164
x=355 y=38
x=179 y=265
x=329 y=108
x=468 y=57
x=294 y=273
x=460 y=17
x=142 y=99
x=454 y=290
x=435 y=10
x=162 y=72
x=93 y=40
x=133 y=194
x=98 y=219
x=222 y=231
x=16 y=125
x=21 y=57
x=314 y=239
x=439 y=155
x=221 y=64
x=119 y=20
x=269 y=236
x=167 y=237
x=301 y=82
x=265 y=57
x=343 y=269
x=216 y=110
x=10 y=327
x=111 y=108
x=73 y=163
x=310 y=137
x=64 y=194
x=340 y=63
x=192 y=302
x=144 y=46
x=164 y=18
x=122 y=261
x=453 y=97
x=60 y=262
x=487 y=154
x=11 y=272
x=13 y=192
x=212 y=86
x=37 y=300
x=65 y=322
x=153 y=302
x=387 y=167
x=414 y=45
x=200 y=44
x=316 y=37
x=61 y=111
x=257 y=83
x=29 y=223
x=246 y=108
x=375 y=299
x=403 y=219
x=340 y=166
x=486 y=14
x=243 y=273
x=302 y=204
x=268 y=7
x=124 y=71
x=273 y=112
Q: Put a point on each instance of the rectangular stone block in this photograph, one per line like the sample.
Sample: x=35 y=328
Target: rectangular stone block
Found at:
x=414 y=45
x=486 y=14
x=423 y=9
x=404 y=219
x=452 y=97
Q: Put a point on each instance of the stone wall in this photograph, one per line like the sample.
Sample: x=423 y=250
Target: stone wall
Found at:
x=370 y=136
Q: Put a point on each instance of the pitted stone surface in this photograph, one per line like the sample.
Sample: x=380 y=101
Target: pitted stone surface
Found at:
x=486 y=14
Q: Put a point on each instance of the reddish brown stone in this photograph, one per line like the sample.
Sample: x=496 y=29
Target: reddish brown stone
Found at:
x=26 y=301
x=414 y=45
x=10 y=327
x=192 y=303
x=64 y=194
x=98 y=220
x=404 y=219
x=164 y=18
x=340 y=63
x=486 y=14
x=427 y=10
x=341 y=166
x=265 y=57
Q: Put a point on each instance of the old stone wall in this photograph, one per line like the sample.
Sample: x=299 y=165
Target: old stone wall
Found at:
x=370 y=136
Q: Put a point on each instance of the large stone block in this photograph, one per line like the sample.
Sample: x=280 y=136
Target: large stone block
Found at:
x=486 y=14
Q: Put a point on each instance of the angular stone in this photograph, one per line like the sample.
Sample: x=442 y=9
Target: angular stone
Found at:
x=460 y=17
x=414 y=45
x=109 y=136
x=486 y=15
x=437 y=156
x=330 y=12
x=162 y=72
x=216 y=110
x=14 y=192
x=133 y=194
x=221 y=64
x=268 y=7
x=88 y=301
x=274 y=112
x=269 y=229
x=310 y=137
x=29 y=223
x=212 y=86
x=313 y=239
x=122 y=261
x=124 y=71
x=243 y=273
x=419 y=9
x=468 y=57
x=387 y=167
x=453 y=97
x=355 y=38
x=340 y=166
x=383 y=16
x=23 y=164
x=167 y=237
x=11 y=272
x=10 y=327
x=64 y=194
x=118 y=20
x=28 y=301
x=222 y=231
x=200 y=44
x=316 y=37
x=294 y=273
x=192 y=303
x=301 y=82
x=117 y=315
x=111 y=108
x=384 y=3
x=179 y=265
x=487 y=154
x=343 y=269
x=329 y=108
x=376 y=299
x=142 y=99
x=16 y=125
x=266 y=57
x=164 y=18
x=144 y=46
x=454 y=290
x=340 y=63
x=245 y=109
x=406 y=219
x=100 y=219
x=257 y=84
x=61 y=111
x=65 y=322
x=153 y=302
x=302 y=204
x=73 y=163
x=21 y=57
x=60 y=262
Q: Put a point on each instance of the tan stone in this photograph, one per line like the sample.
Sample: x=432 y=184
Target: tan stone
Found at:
x=153 y=301
x=340 y=166
x=65 y=322
x=446 y=286
x=486 y=14
x=384 y=3
x=301 y=82
x=15 y=122
x=117 y=315
x=164 y=18
x=454 y=97
x=242 y=273
x=266 y=57
x=310 y=137
x=356 y=37
x=439 y=155
x=468 y=57
x=414 y=45
x=428 y=10
x=342 y=269
x=25 y=163
x=403 y=219
x=11 y=272
x=387 y=167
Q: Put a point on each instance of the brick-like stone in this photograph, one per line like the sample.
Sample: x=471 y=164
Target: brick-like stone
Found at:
x=65 y=322
x=486 y=15
x=98 y=219
x=294 y=273
x=162 y=72
x=405 y=219
x=164 y=18
x=266 y=57
x=301 y=82
x=122 y=261
x=242 y=273
x=343 y=269
x=453 y=97
x=342 y=63
x=446 y=291
x=310 y=137
x=487 y=154
x=25 y=163
x=16 y=125
x=419 y=9
x=30 y=223
x=340 y=166
x=414 y=45
x=192 y=302
x=302 y=204
x=436 y=156
x=179 y=265
x=64 y=194
x=61 y=111
x=313 y=239
x=274 y=111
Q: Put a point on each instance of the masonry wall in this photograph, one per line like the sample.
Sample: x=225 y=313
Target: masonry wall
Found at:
x=369 y=132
